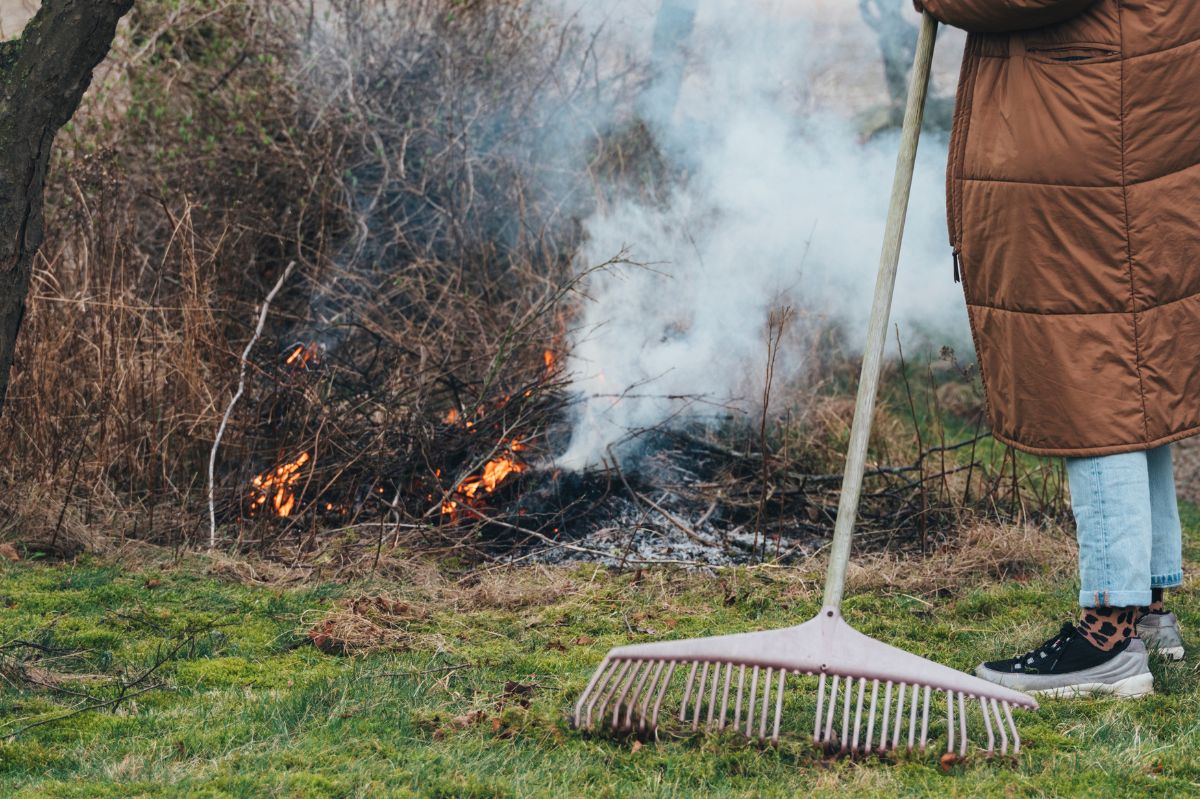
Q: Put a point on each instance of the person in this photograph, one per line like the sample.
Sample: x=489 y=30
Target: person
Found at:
x=1073 y=195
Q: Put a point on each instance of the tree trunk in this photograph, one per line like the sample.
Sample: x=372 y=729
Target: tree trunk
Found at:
x=668 y=60
x=43 y=76
x=897 y=42
x=898 y=45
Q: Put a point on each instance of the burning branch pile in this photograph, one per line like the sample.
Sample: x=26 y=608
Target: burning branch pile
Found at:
x=408 y=389
x=276 y=488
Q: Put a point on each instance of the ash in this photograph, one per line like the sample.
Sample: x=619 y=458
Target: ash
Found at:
x=677 y=506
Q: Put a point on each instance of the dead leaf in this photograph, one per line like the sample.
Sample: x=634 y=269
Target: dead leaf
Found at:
x=949 y=760
x=468 y=719
x=518 y=692
x=584 y=640
x=636 y=746
x=324 y=640
x=9 y=551
x=153 y=582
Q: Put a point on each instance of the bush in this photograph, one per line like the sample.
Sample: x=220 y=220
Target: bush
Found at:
x=412 y=160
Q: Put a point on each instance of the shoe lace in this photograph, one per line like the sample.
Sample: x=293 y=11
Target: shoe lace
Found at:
x=1050 y=648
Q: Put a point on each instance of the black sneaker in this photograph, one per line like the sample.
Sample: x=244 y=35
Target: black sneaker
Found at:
x=1068 y=665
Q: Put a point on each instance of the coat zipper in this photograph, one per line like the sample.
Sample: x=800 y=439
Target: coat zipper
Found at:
x=1069 y=53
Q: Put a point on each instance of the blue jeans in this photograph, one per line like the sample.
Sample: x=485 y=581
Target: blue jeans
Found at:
x=1127 y=523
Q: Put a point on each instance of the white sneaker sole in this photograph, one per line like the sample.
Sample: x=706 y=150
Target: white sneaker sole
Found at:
x=1170 y=652
x=1129 y=688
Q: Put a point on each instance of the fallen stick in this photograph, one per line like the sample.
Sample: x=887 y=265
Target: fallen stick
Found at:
x=212 y=458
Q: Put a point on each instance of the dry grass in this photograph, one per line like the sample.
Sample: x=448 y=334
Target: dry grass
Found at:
x=382 y=620
x=983 y=552
x=364 y=624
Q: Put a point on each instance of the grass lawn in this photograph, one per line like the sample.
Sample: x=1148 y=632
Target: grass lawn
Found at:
x=472 y=699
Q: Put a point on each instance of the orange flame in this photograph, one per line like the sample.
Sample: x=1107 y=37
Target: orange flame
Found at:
x=275 y=486
x=495 y=472
x=304 y=355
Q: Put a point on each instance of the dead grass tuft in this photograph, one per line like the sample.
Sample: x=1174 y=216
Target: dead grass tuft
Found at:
x=255 y=571
x=516 y=588
x=366 y=624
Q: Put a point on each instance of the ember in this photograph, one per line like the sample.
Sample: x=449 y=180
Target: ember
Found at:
x=304 y=356
x=275 y=487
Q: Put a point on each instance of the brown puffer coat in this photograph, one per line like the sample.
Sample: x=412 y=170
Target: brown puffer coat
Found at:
x=1074 y=211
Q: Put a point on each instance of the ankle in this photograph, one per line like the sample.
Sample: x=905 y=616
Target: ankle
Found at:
x=1108 y=628
x=1157 y=603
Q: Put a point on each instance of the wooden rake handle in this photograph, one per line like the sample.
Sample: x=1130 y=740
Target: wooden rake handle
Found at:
x=885 y=283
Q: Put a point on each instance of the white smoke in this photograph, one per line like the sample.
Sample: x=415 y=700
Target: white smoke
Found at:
x=782 y=206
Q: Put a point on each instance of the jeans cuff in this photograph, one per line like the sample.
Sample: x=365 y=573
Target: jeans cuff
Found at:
x=1166 y=580
x=1113 y=599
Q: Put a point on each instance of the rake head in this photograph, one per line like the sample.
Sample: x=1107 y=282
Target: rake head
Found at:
x=629 y=689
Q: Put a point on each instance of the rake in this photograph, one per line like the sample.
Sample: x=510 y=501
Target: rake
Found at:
x=632 y=684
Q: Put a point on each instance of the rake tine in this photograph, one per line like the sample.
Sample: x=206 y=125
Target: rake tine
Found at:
x=846 y=713
x=962 y=725
x=603 y=667
x=862 y=687
x=949 y=721
x=887 y=708
x=762 y=722
x=987 y=720
x=662 y=692
x=700 y=697
x=712 y=699
x=912 y=718
x=899 y=717
x=820 y=705
x=1013 y=727
x=737 y=710
x=725 y=695
x=833 y=697
x=600 y=692
x=925 y=721
x=633 y=698
x=649 y=693
x=749 y=729
x=687 y=693
x=778 y=706
x=612 y=691
x=871 y=716
x=1000 y=728
x=637 y=669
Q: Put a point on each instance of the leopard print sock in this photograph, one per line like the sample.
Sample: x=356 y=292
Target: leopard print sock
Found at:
x=1107 y=628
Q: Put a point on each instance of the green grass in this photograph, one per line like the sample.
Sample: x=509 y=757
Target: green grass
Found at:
x=245 y=708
